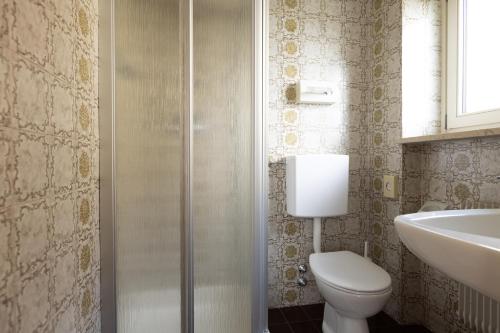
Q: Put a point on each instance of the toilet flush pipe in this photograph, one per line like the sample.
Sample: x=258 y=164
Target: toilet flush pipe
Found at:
x=365 y=254
x=317 y=234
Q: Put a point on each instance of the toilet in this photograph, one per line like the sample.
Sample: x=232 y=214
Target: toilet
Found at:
x=353 y=287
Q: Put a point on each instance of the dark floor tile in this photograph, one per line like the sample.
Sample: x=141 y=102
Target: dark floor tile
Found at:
x=318 y=324
x=294 y=314
x=414 y=329
x=381 y=320
x=274 y=316
x=400 y=329
x=280 y=328
x=304 y=327
x=385 y=329
x=308 y=319
x=314 y=311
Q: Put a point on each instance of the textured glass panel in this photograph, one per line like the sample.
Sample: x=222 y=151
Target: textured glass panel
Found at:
x=148 y=173
x=481 y=56
x=222 y=185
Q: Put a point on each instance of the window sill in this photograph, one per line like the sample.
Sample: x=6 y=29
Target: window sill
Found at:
x=480 y=133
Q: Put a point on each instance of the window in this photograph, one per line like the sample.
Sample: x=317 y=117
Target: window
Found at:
x=473 y=64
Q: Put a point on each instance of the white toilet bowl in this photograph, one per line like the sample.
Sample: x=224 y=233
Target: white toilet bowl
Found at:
x=354 y=288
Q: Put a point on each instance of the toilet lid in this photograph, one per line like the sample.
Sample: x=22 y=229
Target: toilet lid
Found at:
x=348 y=270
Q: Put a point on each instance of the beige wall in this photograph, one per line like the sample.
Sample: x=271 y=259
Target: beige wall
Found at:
x=460 y=173
x=49 y=240
x=356 y=44
x=384 y=151
x=315 y=40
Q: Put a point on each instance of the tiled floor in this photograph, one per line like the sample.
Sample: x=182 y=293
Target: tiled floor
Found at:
x=308 y=319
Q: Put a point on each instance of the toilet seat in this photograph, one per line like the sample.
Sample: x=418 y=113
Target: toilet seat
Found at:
x=356 y=292
x=350 y=273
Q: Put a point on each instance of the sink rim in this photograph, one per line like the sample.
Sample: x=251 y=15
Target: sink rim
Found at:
x=419 y=216
x=415 y=220
x=423 y=238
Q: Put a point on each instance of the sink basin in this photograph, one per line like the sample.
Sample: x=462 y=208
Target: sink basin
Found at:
x=464 y=244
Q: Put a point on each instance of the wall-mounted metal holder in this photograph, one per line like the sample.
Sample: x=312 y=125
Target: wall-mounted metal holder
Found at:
x=302 y=281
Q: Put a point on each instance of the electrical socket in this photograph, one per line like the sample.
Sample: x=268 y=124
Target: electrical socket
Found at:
x=391 y=186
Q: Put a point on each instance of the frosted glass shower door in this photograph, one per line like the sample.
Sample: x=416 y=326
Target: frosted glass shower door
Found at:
x=222 y=165
x=148 y=166
x=179 y=155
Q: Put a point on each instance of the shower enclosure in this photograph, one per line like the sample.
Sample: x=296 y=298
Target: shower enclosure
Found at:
x=183 y=241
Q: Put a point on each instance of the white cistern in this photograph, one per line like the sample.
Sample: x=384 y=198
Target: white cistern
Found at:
x=317 y=186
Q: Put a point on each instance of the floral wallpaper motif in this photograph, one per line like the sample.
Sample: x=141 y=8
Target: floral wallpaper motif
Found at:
x=49 y=232
x=384 y=151
x=368 y=127
x=421 y=294
x=461 y=175
x=315 y=40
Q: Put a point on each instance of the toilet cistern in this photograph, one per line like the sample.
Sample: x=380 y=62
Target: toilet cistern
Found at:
x=317 y=186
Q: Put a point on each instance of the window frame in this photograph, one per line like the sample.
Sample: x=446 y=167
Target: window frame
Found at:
x=452 y=80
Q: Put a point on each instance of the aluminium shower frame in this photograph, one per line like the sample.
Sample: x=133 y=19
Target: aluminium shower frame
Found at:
x=107 y=167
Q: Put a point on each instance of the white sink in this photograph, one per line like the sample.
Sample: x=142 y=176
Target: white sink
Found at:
x=464 y=244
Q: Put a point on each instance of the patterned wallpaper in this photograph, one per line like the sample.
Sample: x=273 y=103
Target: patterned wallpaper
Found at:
x=367 y=125
x=369 y=118
x=49 y=240
x=316 y=40
x=384 y=151
x=462 y=175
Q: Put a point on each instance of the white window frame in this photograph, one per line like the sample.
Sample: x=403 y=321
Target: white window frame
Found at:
x=454 y=118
